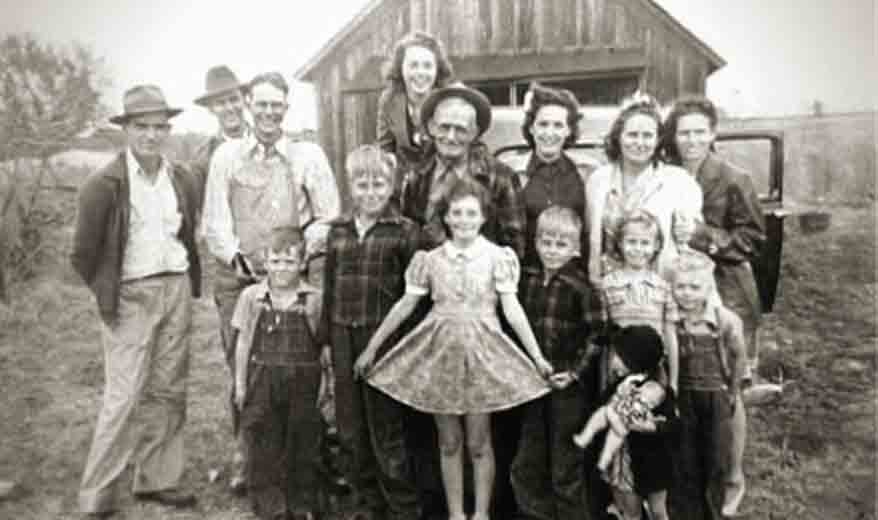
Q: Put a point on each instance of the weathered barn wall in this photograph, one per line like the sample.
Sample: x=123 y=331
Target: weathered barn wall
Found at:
x=503 y=40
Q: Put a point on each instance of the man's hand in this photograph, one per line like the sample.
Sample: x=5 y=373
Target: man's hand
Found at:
x=683 y=228
x=649 y=424
x=243 y=269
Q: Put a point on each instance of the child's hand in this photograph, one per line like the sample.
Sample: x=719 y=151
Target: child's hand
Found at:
x=562 y=380
x=363 y=364
x=580 y=440
x=545 y=368
x=326 y=356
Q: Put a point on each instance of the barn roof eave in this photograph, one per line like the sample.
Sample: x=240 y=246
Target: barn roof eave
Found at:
x=304 y=72
x=716 y=61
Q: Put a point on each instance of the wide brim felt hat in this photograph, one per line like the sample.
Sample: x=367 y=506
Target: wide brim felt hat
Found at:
x=141 y=100
x=478 y=100
x=218 y=81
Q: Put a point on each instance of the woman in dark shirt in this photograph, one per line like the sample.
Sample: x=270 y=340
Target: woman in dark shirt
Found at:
x=551 y=177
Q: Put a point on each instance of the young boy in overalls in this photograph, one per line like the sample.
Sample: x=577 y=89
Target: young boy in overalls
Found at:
x=548 y=472
x=712 y=364
x=367 y=253
x=277 y=381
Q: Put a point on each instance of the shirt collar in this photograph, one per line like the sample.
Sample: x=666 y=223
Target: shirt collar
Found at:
x=134 y=165
x=442 y=167
x=303 y=288
x=475 y=250
x=390 y=215
x=257 y=150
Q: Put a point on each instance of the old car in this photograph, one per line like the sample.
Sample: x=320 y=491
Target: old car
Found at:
x=759 y=152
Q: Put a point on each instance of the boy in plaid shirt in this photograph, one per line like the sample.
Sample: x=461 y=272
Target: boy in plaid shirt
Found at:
x=564 y=312
x=367 y=253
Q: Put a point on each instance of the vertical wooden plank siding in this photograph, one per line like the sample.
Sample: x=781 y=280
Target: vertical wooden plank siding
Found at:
x=506 y=33
x=589 y=22
x=488 y=16
x=527 y=39
x=418 y=15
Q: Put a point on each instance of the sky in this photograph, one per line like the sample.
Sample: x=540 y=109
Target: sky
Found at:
x=782 y=54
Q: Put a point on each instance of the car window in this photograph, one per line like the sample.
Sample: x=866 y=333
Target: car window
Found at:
x=753 y=155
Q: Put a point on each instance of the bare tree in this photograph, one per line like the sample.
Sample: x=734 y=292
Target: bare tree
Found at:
x=48 y=96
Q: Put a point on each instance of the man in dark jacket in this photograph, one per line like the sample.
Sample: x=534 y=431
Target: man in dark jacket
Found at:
x=134 y=246
x=456 y=117
x=224 y=98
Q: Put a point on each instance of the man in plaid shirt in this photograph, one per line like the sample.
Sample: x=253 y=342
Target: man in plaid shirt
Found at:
x=564 y=312
x=367 y=254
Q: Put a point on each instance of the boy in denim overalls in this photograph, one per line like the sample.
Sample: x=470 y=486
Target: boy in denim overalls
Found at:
x=277 y=382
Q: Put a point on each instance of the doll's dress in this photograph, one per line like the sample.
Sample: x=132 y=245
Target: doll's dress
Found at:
x=458 y=360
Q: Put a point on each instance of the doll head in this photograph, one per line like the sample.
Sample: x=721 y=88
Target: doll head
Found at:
x=557 y=237
x=285 y=257
x=638 y=239
x=637 y=349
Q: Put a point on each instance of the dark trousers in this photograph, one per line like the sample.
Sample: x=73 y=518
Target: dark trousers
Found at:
x=281 y=426
x=372 y=429
x=548 y=473
x=701 y=456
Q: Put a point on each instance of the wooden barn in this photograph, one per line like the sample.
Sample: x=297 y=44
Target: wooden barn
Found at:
x=602 y=50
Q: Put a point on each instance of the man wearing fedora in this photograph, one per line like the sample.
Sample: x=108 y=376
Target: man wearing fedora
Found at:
x=134 y=245
x=224 y=98
x=456 y=116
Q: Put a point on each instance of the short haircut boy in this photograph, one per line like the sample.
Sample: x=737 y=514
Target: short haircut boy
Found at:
x=370 y=159
x=285 y=237
x=561 y=220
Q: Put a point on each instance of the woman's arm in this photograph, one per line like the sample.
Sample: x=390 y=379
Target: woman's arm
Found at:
x=594 y=214
x=518 y=320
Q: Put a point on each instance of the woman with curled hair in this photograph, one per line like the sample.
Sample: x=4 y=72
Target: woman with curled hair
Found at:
x=551 y=124
x=636 y=178
x=418 y=66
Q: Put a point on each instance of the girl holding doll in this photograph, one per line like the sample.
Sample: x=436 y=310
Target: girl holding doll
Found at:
x=458 y=364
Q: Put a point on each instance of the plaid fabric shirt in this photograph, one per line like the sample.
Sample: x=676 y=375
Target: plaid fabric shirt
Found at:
x=505 y=226
x=364 y=277
x=563 y=313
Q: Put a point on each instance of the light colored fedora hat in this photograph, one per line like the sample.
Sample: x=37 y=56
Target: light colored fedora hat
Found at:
x=219 y=80
x=143 y=99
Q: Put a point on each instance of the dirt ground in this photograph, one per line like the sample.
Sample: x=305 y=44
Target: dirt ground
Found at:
x=810 y=456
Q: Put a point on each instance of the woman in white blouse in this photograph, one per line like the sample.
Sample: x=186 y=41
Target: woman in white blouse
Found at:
x=636 y=179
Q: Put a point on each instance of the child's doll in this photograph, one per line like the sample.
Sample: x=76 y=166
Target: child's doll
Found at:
x=277 y=381
x=635 y=466
x=458 y=364
x=564 y=312
x=367 y=253
x=712 y=363
x=634 y=293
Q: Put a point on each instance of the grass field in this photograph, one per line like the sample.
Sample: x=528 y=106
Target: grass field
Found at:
x=810 y=456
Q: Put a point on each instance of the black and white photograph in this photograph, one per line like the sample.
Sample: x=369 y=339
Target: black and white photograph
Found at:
x=439 y=260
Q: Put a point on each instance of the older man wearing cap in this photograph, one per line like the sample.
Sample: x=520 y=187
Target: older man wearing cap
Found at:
x=134 y=246
x=262 y=181
x=224 y=98
x=456 y=117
